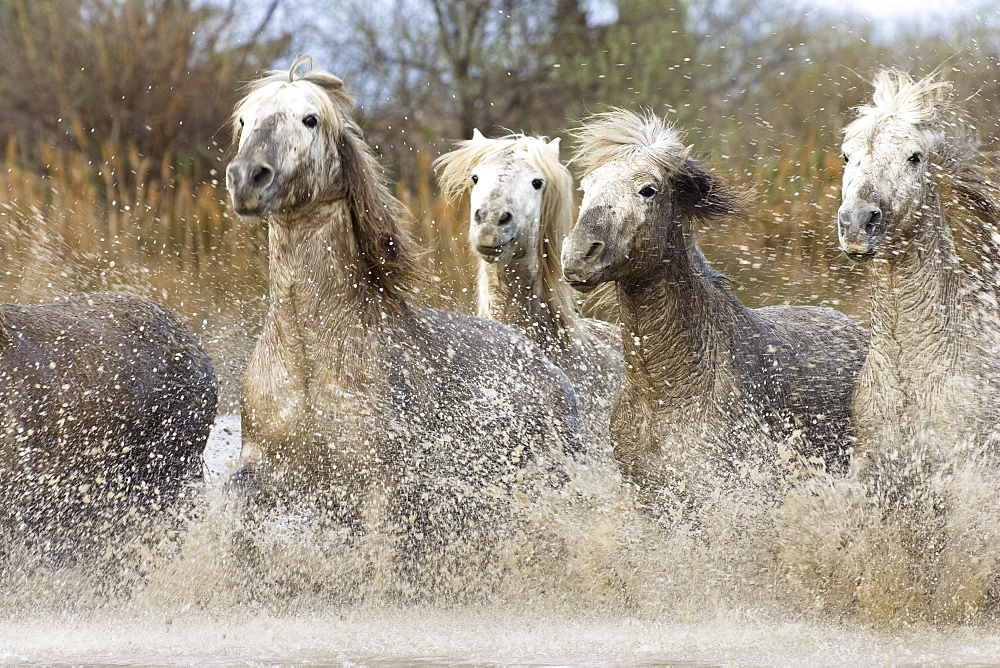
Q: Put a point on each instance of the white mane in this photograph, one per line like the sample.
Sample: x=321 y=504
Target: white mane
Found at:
x=897 y=96
x=556 y=218
x=620 y=134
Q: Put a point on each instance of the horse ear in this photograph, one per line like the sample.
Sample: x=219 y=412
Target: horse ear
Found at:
x=477 y=135
x=299 y=62
x=554 y=147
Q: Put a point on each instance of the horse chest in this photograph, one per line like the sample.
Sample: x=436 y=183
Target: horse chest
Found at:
x=904 y=391
x=332 y=412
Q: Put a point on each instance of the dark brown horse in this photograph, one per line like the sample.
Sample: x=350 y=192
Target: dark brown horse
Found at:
x=107 y=402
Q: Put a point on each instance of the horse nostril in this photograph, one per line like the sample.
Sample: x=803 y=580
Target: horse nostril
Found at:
x=262 y=175
x=872 y=221
x=478 y=216
x=505 y=218
x=593 y=250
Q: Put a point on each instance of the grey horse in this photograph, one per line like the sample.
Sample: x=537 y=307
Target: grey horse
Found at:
x=107 y=403
x=716 y=395
x=436 y=424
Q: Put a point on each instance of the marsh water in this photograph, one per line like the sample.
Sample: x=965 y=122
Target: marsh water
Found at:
x=673 y=599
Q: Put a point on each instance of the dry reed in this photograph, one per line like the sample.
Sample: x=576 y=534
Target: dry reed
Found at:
x=128 y=224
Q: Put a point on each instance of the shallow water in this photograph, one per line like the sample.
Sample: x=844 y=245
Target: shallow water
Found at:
x=686 y=605
x=477 y=636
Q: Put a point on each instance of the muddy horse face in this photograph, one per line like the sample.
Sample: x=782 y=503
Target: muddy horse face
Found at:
x=287 y=133
x=888 y=173
x=641 y=193
x=506 y=205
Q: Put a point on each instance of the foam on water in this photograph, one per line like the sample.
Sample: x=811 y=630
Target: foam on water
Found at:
x=433 y=635
x=820 y=579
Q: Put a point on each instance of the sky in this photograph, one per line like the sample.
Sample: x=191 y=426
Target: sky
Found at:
x=900 y=9
x=923 y=12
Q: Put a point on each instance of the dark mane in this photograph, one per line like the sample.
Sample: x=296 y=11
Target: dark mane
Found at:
x=971 y=203
x=705 y=196
x=620 y=134
x=378 y=218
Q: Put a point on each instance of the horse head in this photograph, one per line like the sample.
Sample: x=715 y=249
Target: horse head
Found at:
x=287 y=129
x=888 y=152
x=506 y=203
x=297 y=148
x=642 y=192
x=520 y=195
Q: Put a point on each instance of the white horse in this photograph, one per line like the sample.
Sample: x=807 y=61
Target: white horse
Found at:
x=353 y=396
x=521 y=208
x=926 y=409
x=908 y=179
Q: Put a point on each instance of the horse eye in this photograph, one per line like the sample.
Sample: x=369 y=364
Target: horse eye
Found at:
x=241 y=122
x=536 y=184
x=846 y=159
x=648 y=191
x=310 y=121
x=915 y=158
x=475 y=179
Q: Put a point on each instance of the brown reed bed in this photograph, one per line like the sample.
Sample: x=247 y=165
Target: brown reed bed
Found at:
x=127 y=224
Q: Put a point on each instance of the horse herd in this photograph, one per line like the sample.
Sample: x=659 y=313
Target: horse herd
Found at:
x=359 y=400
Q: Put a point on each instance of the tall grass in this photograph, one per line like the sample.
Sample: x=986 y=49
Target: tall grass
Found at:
x=128 y=224
x=81 y=226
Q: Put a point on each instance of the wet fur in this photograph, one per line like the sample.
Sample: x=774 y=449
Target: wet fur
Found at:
x=930 y=375
x=359 y=402
x=527 y=291
x=716 y=395
x=107 y=404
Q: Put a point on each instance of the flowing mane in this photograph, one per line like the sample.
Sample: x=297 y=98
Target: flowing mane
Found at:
x=378 y=217
x=971 y=201
x=557 y=206
x=620 y=134
x=709 y=383
x=922 y=103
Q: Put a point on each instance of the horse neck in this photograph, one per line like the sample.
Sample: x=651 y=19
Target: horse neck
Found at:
x=671 y=328
x=514 y=293
x=919 y=293
x=318 y=289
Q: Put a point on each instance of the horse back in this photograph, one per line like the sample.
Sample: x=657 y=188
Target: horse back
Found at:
x=813 y=357
x=496 y=373
x=102 y=392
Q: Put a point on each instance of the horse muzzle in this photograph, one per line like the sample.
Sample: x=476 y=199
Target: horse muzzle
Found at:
x=252 y=186
x=493 y=242
x=584 y=271
x=860 y=227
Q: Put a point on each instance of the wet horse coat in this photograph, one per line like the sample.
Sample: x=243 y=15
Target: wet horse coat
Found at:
x=930 y=379
x=716 y=395
x=107 y=403
x=521 y=208
x=352 y=395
